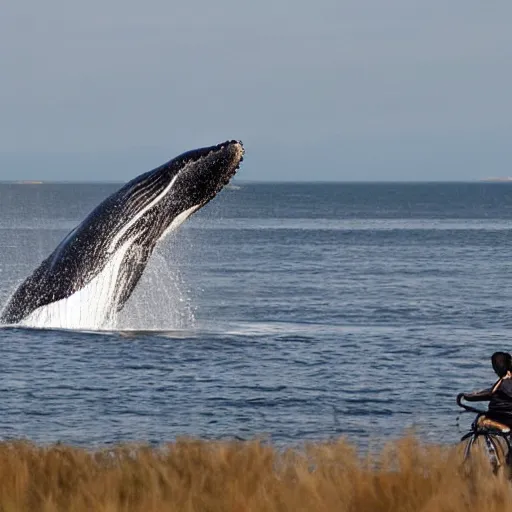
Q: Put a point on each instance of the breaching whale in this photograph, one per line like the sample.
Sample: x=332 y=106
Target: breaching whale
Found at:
x=93 y=271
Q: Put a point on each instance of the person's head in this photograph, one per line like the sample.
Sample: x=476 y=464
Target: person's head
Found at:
x=501 y=363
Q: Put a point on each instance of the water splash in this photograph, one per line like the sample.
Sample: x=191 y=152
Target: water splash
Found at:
x=160 y=301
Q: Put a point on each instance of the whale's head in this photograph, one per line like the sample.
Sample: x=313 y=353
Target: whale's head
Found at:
x=198 y=175
x=158 y=201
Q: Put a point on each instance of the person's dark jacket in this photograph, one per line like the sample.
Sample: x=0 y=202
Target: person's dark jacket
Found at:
x=500 y=400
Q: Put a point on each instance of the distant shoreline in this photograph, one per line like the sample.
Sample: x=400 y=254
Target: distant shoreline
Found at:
x=499 y=179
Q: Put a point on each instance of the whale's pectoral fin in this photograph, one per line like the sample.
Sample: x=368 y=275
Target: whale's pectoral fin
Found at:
x=132 y=268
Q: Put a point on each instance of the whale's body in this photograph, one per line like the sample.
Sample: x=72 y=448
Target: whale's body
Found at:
x=92 y=273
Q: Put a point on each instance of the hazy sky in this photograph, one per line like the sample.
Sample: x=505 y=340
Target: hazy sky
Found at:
x=323 y=90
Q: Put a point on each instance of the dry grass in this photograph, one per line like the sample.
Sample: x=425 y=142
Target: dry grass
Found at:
x=245 y=476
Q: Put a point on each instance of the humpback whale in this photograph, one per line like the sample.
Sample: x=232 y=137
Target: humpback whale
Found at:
x=93 y=271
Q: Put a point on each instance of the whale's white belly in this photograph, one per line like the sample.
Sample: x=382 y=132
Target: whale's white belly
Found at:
x=91 y=307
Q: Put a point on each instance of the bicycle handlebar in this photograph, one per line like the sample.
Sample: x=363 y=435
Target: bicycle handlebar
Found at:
x=468 y=408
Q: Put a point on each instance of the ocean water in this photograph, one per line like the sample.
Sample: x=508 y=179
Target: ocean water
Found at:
x=291 y=312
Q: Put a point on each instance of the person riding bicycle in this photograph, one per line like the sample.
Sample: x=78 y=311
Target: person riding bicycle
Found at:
x=499 y=413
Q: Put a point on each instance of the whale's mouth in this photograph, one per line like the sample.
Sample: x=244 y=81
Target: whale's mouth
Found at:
x=238 y=150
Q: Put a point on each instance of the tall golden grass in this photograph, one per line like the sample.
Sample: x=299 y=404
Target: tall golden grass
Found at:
x=247 y=476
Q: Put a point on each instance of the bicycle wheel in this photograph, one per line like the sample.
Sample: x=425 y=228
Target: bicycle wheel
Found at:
x=492 y=449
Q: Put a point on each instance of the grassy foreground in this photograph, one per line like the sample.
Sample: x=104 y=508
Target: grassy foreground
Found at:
x=245 y=476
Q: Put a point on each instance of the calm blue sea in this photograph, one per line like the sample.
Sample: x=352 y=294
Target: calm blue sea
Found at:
x=289 y=311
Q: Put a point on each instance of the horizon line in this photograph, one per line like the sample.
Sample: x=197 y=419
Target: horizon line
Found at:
x=261 y=182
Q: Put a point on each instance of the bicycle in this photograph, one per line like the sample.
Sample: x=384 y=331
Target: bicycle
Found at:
x=497 y=443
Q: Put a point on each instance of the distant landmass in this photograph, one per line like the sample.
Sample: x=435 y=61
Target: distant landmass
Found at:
x=498 y=178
